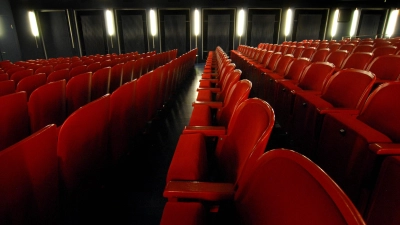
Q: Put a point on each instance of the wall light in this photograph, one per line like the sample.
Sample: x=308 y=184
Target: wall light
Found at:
x=110 y=22
x=196 y=24
x=335 y=23
x=240 y=24
x=288 y=22
x=392 y=22
x=153 y=24
x=354 y=23
x=33 y=23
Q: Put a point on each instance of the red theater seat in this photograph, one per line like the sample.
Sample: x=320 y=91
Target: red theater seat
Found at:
x=207 y=94
x=386 y=68
x=62 y=74
x=101 y=83
x=337 y=58
x=357 y=60
x=283 y=188
x=29 y=180
x=47 y=105
x=7 y=87
x=352 y=147
x=30 y=83
x=241 y=144
x=116 y=77
x=77 y=70
x=14 y=119
x=19 y=75
x=345 y=91
x=78 y=91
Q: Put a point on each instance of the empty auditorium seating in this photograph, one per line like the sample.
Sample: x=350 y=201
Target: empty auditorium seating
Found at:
x=47 y=105
x=385 y=68
x=357 y=60
x=100 y=82
x=62 y=74
x=202 y=114
x=320 y=55
x=384 y=50
x=207 y=94
x=29 y=180
x=346 y=90
x=77 y=70
x=283 y=188
x=116 y=76
x=241 y=144
x=363 y=48
x=19 y=75
x=94 y=67
x=44 y=69
x=337 y=57
x=351 y=147
x=312 y=80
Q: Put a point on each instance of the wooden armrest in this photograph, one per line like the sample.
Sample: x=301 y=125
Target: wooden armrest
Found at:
x=215 y=105
x=205 y=130
x=214 y=90
x=338 y=110
x=207 y=191
x=385 y=148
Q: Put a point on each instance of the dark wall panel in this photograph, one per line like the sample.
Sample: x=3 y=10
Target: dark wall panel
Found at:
x=56 y=35
x=369 y=26
x=218 y=32
x=93 y=34
x=262 y=29
x=308 y=27
x=133 y=35
x=175 y=33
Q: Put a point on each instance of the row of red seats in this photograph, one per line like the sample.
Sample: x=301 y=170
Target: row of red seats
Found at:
x=257 y=187
x=349 y=150
x=55 y=165
x=52 y=102
x=120 y=72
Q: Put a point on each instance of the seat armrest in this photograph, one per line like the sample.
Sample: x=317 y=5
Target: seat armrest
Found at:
x=215 y=105
x=210 y=80
x=206 y=191
x=354 y=112
x=385 y=148
x=214 y=90
x=205 y=130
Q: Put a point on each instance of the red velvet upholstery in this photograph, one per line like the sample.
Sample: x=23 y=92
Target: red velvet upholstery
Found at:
x=141 y=101
x=246 y=138
x=116 y=77
x=45 y=69
x=308 y=52
x=320 y=55
x=313 y=79
x=101 y=83
x=272 y=195
x=205 y=94
x=298 y=51
x=363 y=48
x=30 y=83
x=346 y=90
x=14 y=119
x=346 y=149
x=47 y=105
x=385 y=68
x=384 y=50
x=62 y=74
x=384 y=206
x=29 y=180
x=78 y=91
x=83 y=145
x=7 y=87
x=349 y=47
x=61 y=66
x=77 y=70
x=337 y=57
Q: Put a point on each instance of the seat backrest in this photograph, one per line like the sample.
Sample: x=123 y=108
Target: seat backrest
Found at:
x=47 y=105
x=122 y=120
x=357 y=60
x=238 y=93
x=30 y=83
x=14 y=119
x=77 y=70
x=384 y=50
x=7 y=87
x=45 y=69
x=337 y=57
x=266 y=58
x=82 y=150
x=127 y=71
x=348 y=88
x=287 y=188
x=29 y=180
x=296 y=68
x=315 y=75
x=62 y=74
x=94 y=67
x=141 y=102
x=349 y=47
x=283 y=64
x=116 y=76
x=298 y=51
x=320 y=55
x=334 y=46
x=19 y=75
x=75 y=64
x=381 y=110
x=227 y=84
x=78 y=91
x=308 y=52
x=61 y=66
x=384 y=204
x=273 y=61
x=101 y=82
x=385 y=67
x=363 y=48
x=247 y=135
